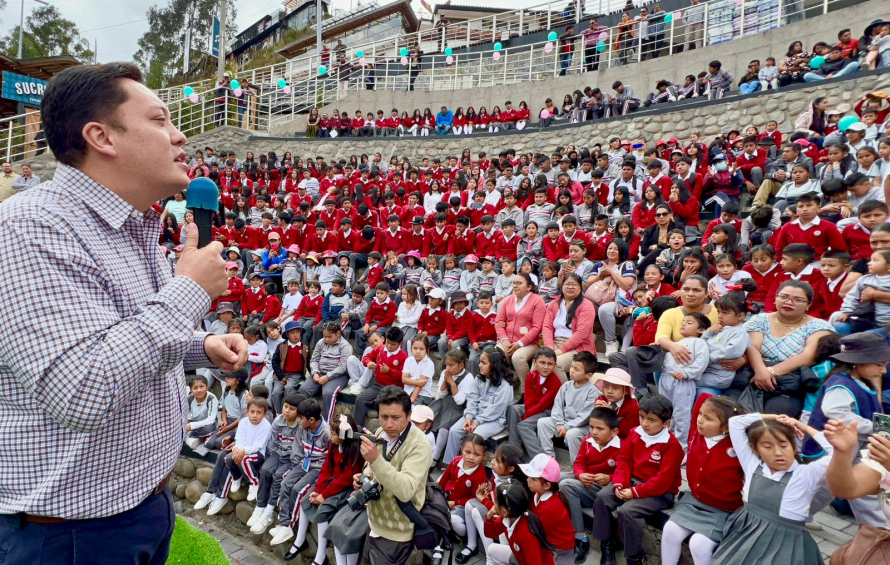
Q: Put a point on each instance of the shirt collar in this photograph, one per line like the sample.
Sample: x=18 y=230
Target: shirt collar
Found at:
x=461 y=471
x=806 y=271
x=106 y=203
x=714 y=440
x=614 y=442
x=662 y=437
x=384 y=303
x=814 y=223
x=539 y=498
x=832 y=284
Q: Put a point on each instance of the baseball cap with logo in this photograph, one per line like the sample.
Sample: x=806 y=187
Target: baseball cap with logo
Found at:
x=542 y=467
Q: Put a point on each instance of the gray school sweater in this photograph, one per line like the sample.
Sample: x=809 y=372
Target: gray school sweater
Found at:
x=281 y=440
x=573 y=404
x=730 y=343
x=488 y=403
x=315 y=445
x=330 y=359
x=469 y=280
x=693 y=371
x=851 y=300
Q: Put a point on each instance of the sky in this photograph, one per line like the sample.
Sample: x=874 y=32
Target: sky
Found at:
x=117 y=25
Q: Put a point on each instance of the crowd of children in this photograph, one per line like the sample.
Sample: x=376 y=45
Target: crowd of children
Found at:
x=402 y=281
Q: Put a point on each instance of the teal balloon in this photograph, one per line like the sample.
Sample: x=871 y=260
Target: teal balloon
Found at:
x=817 y=62
x=403 y=51
x=668 y=18
x=322 y=70
x=449 y=51
x=235 y=85
x=498 y=46
x=359 y=54
x=552 y=36
x=188 y=91
x=601 y=46
x=846 y=122
x=282 y=83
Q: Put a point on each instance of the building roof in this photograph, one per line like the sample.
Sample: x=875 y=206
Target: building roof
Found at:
x=266 y=26
x=39 y=67
x=463 y=8
x=339 y=27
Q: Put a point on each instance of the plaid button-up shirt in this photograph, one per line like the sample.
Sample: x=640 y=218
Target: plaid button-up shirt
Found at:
x=95 y=337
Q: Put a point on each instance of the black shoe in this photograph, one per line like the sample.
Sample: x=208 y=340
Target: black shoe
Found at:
x=295 y=551
x=638 y=560
x=582 y=548
x=463 y=557
x=607 y=549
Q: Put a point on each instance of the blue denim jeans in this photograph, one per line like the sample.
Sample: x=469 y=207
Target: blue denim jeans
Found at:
x=749 y=87
x=850 y=68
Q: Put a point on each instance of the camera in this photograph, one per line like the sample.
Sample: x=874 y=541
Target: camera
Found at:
x=370 y=490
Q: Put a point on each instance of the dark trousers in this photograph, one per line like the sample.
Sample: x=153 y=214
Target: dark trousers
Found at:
x=140 y=536
x=381 y=551
x=226 y=470
x=271 y=475
x=367 y=400
x=630 y=516
x=591 y=58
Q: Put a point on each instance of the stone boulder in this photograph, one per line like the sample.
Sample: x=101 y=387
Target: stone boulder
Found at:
x=184 y=468
x=180 y=490
x=193 y=491
x=203 y=474
x=241 y=494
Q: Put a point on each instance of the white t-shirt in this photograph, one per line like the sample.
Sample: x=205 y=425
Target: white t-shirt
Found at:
x=415 y=370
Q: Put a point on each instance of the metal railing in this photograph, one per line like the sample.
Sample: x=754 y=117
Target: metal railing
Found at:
x=267 y=108
x=486 y=29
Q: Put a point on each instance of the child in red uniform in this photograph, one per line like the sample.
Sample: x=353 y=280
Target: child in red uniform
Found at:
x=333 y=486
x=593 y=470
x=554 y=245
x=645 y=481
x=381 y=315
x=272 y=308
x=387 y=362
x=797 y=262
x=618 y=394
x=763 y=270
x=549 y=505
x=523 y=529
x=254 y=301
x=433 y=318
x=715 y=481
x=810 y=229
x=872 y=213
x=541 y=385
x=834 y=266
x=463 y=477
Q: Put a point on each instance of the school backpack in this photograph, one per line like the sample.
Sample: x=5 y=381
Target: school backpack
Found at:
x=432 y=523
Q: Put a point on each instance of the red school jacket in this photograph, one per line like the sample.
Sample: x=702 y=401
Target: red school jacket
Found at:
x=526 y=548
x=394 y=362
x=381 y=315
x=461 y=488
x=432 y=321
x=508 y=247
x=554 y=516
x=456 y=327
x=764 y=281
x=555 y=250
x=236 y=288
x=714 y=474
x=593 y=461
x=481 y=328
x=539 y=396
x=335 y=477
x=463 y=244
x=657 y=466
x=628 y=413
x=254 y=299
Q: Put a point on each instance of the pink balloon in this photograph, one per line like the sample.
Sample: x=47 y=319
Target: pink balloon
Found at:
x=545 y=113
x=496 y=55
x=238 y=92
x=548 y=47
x=194 y=97
x=404 y=61
x=361 y=61
x=449 y=60
x=287 y=89
x=604 y=36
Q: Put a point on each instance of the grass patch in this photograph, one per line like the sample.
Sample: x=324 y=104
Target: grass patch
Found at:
x=191 y=546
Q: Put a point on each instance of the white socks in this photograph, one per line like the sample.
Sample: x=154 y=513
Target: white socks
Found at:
x=322 y=542
x=302 y=528
x=348 y=559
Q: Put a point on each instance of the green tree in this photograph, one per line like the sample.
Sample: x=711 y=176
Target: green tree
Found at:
x=47 y=34
x=162 y=47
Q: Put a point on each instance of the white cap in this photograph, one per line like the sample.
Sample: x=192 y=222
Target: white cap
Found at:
x=437 y=293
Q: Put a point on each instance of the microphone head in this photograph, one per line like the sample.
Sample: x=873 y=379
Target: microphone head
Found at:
x=202 y=194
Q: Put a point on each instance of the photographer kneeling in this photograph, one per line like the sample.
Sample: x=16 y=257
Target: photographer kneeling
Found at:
x=398 y=462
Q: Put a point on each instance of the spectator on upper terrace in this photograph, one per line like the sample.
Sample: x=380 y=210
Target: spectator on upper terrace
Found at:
x=835 y=65
x=719 y=80
x=592 y=36
x=750 y=81
x=567 y=50
x=624 y=40
x=794 y=65
x=656 y=32
x=624 y=100
x=444 y=120
x=695 y=24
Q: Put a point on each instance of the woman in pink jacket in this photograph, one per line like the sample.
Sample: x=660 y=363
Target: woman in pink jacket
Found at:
x=568 y=325
x=519 y=323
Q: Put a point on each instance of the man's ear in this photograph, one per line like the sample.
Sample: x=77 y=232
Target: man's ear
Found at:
x=97 y=137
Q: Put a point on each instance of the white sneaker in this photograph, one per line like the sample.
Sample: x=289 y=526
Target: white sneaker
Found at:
x=205 y=499
x=261 y=523
x=216 y=505
x=611 y=347
x=251 y=492
x=356 y=389
x=192 y=442
x=236 y=485
x=257 y=513
x=202 y=450
x=274 y=530
x=282 y=535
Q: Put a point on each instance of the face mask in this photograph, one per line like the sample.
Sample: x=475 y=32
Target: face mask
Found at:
x=720 y=166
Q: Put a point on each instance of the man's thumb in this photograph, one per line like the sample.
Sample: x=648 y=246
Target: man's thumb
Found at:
x=191 y=237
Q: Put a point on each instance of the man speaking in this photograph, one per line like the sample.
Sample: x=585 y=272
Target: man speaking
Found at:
x=96 y=334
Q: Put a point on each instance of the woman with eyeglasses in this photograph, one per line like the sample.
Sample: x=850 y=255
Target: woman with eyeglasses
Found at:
x=781 y=342
x=568 y=324
x=655 y=237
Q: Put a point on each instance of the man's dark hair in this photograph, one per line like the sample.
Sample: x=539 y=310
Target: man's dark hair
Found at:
x=732 y=207
x=394 y=395
x=80 y=95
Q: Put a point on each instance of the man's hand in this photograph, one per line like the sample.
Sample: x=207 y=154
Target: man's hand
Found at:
x=369 y=450
x=205 y=266
x=226 y=351
x=357 y=481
